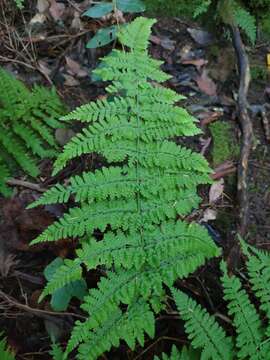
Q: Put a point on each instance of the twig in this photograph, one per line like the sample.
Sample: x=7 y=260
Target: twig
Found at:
x=247 y=131
x=35 y=311
x=26 y=184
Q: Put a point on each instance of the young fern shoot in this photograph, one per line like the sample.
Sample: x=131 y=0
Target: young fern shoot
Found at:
x=138 y=201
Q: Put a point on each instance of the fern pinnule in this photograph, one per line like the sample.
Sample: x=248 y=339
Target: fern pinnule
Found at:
x=5 y=353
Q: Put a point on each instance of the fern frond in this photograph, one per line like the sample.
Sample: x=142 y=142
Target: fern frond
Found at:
x=246 y=22
x=28 y=120
x=5 y=354
x=4 y=175
x=129 y=326
x=125 y=251
x=136 y=35
x=135 y=203
x=56 y=352
x=258 y=265
x=202 y=329
x=70 y=271
x=245 y=318
x=184 y=354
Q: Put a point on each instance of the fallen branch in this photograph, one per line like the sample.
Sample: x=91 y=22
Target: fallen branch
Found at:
x=247 y=130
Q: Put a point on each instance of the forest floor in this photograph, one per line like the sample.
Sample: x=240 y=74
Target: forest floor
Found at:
x=47 y=46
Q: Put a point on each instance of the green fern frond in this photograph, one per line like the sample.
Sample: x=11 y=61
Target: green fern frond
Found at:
x=136 y=35
x=70 y=271
x=28 y=120
x=56 y=352
x=246 y=22
x=202 y=329
x=135 y=202
x=19 y=3
x=5 y=354
x=184 y=354
x=245 y=317
x=202 y=8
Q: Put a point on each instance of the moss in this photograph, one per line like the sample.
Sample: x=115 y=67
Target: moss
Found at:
x=225 y=146
x=181 y=8
x=258 y=72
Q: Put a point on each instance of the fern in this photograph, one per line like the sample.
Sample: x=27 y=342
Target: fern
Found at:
x=185 y=354
x=27 y=122
x=246 y=22
x=19 y=3
x=252 y=339
x=136 y=206
x=5 y=354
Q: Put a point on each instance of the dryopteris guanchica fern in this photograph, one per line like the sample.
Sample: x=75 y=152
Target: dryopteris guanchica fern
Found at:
x=252 y=340
x=138 y=202
x=27 y=123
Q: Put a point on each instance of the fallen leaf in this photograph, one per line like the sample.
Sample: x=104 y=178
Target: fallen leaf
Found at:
x=56 y=10
x=201 y=37
x=209 y=214
x=42 y=6
x=196 y=62
x=76 y=23
x=74 y=68
x=43 y=67
x=216 y=191
x=63 y=135
x=206 y=84
x=70 y=80
x=38 y=19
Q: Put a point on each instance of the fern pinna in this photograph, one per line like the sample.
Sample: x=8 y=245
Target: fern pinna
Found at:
x=27 y=123
x=138 y=206
x=252 y=340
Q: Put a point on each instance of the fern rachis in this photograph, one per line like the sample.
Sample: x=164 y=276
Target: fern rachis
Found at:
x=136 y=206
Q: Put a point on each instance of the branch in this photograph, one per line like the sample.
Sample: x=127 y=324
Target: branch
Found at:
x=247 y=131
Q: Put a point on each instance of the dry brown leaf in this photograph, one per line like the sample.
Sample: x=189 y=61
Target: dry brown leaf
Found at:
x=74 y=68
x=206 y=84
x=70 y=80
x=56 y=10
x=209 y=214
x=42 y=6
x=196 y=62
x=216 y=191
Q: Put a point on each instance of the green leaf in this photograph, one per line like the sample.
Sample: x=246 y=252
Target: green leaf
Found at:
x=61 y=297
x=103 y=37
x=130 y=5
x=99 y=10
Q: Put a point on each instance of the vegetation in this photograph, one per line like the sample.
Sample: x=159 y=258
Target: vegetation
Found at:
x=136 y=206
x=224 y=142
x=252 y=340
x=27 y=122
x=5 y=353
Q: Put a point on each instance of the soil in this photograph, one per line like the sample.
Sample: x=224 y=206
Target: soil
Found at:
x=21 y=266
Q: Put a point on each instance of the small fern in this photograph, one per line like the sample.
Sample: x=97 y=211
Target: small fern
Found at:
x=252 y=339
x=231 y=12
x=19 y=3
x=5 y=354
x=27 y=122
x=185 y=354
x=136 y=206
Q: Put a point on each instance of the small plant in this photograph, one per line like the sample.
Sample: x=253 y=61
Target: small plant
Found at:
x=252 y=340
x=19 y=3
x=106 y=35
x=138 y=203
x=5 y=353
x=27 y=123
